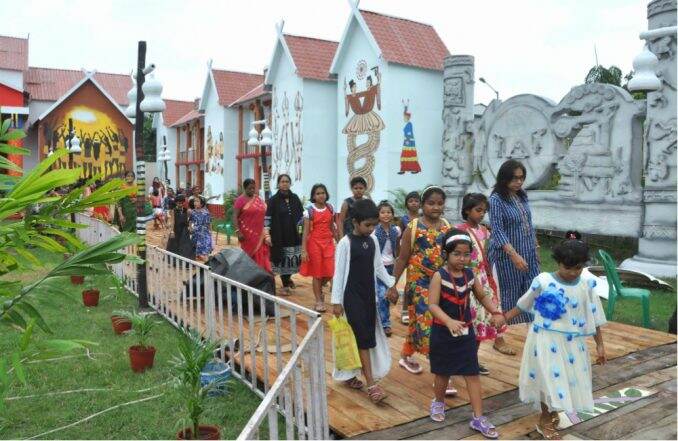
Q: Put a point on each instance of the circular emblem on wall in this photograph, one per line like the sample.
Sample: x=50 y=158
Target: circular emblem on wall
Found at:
x=361 y=69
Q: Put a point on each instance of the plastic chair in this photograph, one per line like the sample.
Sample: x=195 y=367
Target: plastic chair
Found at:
x=227 y=228
x=617 y=289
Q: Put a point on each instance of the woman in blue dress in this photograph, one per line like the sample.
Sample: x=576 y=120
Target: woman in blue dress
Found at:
x=199 y=219
x=513 y=243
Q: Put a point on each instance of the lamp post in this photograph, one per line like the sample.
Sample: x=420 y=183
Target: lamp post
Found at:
x=164 y=155
x=482 y=80
x=144 y=97
x=73 y=145
x=263 y=140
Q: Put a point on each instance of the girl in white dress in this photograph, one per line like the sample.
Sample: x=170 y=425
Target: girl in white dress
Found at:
x=555 y=373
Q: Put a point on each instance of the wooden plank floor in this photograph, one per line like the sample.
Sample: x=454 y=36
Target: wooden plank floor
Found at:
x=404 y=414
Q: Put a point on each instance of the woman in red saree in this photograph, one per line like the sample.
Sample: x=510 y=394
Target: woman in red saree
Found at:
x=248 y=217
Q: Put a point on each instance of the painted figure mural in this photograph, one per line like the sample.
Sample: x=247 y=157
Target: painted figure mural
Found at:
x=408 y=157
x=104 y=146
x=215 y=154
x=287 y=136
x=365 y=121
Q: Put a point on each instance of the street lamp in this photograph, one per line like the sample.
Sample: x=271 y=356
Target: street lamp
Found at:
x=72 y=143
x=144 y=97
x=263 y=140
x=164 y=155
x=644 y=72
x=482 y=80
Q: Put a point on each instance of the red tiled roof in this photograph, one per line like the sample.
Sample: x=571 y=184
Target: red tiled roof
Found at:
x=46 y=84
x=252 y=94
x=13 y=53
x=232 y=85
x=190 y=116
x=312 y=56
x=175 y=109
x=406 y=42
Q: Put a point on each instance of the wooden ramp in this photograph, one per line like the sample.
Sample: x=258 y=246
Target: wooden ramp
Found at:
x=404 y=413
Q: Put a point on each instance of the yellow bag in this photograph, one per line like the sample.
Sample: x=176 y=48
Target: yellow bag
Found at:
x=346 y=356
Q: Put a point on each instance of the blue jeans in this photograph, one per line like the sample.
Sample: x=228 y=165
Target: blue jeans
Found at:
x=383 y=305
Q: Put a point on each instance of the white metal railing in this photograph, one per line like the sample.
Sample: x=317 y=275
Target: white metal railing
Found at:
x=274 y=346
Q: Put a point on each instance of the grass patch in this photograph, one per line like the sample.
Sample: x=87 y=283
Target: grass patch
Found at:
x=629 y=311
x=109 y=369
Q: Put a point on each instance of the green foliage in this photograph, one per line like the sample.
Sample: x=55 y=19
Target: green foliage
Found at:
x=142 y=325
x=229 y=201
x=398 y=200
x=149 y=139
x=194 y=354
x=599 y=74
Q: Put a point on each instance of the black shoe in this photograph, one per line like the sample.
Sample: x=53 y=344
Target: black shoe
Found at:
x=482 y=370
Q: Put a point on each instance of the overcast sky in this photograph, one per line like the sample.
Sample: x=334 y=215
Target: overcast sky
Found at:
x=520 y=46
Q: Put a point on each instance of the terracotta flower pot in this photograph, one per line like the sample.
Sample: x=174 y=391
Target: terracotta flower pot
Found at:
x=204 y=432
x=90 y=297
x=120 y=324
x=141 y=357
x=77 y=280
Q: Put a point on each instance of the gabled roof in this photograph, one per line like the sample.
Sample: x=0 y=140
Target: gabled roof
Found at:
x=174 y=110
x=190 y=116
x=257 y=92
x=46 y=84
x=232 y=85
x=87 y=77
x=13 y=53
x=397 y=40
x=312 y=56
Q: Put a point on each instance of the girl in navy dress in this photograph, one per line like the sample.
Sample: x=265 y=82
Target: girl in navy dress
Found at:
x=453 y=349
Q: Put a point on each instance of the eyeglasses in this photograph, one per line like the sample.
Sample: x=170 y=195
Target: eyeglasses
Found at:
x=520 y=178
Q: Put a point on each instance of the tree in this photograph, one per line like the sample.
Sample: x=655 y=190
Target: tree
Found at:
x=600 y=74
x=33 y=215
x=149 y=138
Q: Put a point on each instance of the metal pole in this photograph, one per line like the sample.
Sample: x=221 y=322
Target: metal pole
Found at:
x=141 y=177
x=70 y=155
x=267 y=186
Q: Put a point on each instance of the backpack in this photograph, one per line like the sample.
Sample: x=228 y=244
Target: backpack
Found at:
x=413 y=229
x=310 y=210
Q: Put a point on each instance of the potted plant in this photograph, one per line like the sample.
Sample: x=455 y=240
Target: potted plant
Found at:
x=90 y=296
x=120 y=323
x=187 y=371
x=77 y=280
x=141 y=355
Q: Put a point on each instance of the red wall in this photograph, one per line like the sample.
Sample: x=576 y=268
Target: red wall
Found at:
x=12 y=97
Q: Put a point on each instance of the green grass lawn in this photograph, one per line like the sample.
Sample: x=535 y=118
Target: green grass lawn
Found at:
x=662 y=303
x=108 y=368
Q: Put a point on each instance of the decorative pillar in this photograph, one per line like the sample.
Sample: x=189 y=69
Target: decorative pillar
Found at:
x=457 y=143
x=657 y=241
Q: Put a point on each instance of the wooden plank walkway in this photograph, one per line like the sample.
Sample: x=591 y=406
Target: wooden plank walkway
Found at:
x=637 y=354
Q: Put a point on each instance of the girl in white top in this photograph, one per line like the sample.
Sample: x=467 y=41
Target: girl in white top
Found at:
x=555 y=372
x=388 y=236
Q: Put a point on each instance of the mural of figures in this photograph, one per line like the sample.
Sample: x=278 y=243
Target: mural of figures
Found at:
x=365 y=121
x=288 y=138
x=215 y=153
x=408 y=157
x=104 y=145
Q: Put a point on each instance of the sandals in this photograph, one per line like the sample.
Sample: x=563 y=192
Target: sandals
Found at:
x=412 y=366
x=484 y=426
x=548 y=431
x=388 y=332
x=320 y=307
x=504 y=349
x=354 y=383
x=437 y=411
x=376 y=393
x=449 y=391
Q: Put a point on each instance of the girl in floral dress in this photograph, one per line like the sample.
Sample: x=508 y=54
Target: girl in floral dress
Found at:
x=474 y=207
x=555 y=372
x=201 y=236
x=421 y=255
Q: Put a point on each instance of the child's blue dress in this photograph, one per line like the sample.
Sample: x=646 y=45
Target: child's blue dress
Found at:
x=556 y=367
x=201 y=236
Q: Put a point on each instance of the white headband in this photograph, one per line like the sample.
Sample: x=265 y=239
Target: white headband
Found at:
x=458 y=237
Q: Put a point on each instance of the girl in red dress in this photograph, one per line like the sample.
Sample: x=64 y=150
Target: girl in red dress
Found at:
x=317 y=255
x=248 y=216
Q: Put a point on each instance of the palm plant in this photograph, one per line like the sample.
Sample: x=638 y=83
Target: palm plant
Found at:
x=142 y=325
x=194 y=354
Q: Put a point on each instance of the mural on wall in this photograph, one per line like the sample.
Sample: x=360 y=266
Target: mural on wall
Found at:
x=104 y=145
x=215 y=154
x=409 y=161
x=288 y=138
x=365 y=121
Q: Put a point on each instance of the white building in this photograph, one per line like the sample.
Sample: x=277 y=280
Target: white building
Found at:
x=166 y=137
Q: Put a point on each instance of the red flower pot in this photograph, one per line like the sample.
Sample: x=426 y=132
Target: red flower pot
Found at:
x=204 y=432
x=90 y=297
x=120 y=324
x=141 y=357
x=77 y=280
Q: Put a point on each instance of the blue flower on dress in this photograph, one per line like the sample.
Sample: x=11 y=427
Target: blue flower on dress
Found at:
x=561 y=393
x=535 y=328
x=535 y=285
x=569 y=337
x=552 y=285
x=571 y=359
x=581 y=347
x=533 y=375
x=546 y=324
x=550 y=304
x=581 y=323
x=554 y=348
x=574 y=321
x=535 y=352
x=592 y=283
x=574 y=304
x=556 y=373
x=593 y=308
